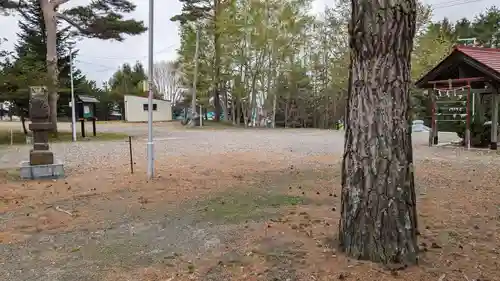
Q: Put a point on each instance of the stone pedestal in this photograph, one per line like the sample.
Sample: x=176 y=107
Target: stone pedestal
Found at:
x=40 y=154
x=41 y=157
x=50 y=171
x=41 y=164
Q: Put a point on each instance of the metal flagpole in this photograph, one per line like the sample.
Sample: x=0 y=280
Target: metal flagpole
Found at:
x=73 y=106
x=150 y=89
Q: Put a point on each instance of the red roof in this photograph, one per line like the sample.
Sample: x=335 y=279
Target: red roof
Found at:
x=487 y=62
x=487 y=56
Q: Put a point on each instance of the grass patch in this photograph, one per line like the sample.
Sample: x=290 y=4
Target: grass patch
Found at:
x=19 y=137
x=238 y=207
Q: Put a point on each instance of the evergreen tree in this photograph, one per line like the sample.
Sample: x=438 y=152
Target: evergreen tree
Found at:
x=127 y=80
x=103 y=19
x=487 y=28
x=484 y=28
x=31 y=49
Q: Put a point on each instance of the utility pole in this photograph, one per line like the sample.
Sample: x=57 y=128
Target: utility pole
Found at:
x=195 y=78
x=73 y=103
x=150 y=145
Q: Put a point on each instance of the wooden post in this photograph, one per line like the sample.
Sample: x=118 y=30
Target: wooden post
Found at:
x=94 y=119
x=494 y=118
x=94 y=131
x=82 y=122
x=431 y=131
x=131 y=156
x=433 y=135
x=467 y=128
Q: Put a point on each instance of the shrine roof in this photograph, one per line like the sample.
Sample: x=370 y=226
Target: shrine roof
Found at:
x=484 y=62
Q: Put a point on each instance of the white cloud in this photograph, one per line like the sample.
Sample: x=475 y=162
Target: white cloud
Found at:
x=99 y=59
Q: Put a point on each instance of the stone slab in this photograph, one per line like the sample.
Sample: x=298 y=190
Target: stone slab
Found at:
x=41 y=126
x=33 y=172
x=41 y=157
x=41 y=146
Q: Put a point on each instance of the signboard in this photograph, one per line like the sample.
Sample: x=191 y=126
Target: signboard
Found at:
x=86 y=111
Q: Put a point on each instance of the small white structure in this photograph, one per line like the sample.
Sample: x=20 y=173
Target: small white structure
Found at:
x=418 y=126
x=136 y=109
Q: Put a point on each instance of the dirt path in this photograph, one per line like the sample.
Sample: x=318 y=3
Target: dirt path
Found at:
x=267 y=214
x=119 y=222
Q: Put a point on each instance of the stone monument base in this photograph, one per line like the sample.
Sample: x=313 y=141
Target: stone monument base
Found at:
x=41 y=157
x=50 y=171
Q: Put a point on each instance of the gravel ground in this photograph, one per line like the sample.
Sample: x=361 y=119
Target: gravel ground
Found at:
x=172 y=142
x=121 y=222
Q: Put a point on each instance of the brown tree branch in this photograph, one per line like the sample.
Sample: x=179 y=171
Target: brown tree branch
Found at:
x=57 y=3
x=6 y=5
x=72 y=23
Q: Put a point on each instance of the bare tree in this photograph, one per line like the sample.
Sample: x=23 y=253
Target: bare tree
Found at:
x=167 y=80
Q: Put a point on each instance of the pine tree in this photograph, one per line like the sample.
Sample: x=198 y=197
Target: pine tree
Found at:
x=378 y=215
x=127 y=80
x=31 y=49
x=103 y=19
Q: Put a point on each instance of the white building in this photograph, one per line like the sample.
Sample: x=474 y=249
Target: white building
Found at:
x=136 y=109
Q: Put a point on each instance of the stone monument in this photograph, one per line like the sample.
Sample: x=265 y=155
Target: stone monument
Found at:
x=41 y=163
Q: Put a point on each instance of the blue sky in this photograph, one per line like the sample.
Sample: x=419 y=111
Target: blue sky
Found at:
x=99 y=59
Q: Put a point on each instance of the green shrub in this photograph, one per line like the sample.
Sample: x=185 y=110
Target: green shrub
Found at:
x=480 y=134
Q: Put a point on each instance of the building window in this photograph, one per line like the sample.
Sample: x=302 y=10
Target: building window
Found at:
x=145 y=107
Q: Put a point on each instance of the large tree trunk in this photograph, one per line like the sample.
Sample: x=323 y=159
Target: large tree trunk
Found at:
x=49 y=16
x=378 y=215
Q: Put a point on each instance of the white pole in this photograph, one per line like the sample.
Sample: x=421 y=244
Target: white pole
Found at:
x=73 y=106
x=150 y=89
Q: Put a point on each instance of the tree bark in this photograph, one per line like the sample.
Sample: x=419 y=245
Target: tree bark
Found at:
x=233 y=110
x=49 y=16
x=378 y=215
x=23 y=121
x=238 y=111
